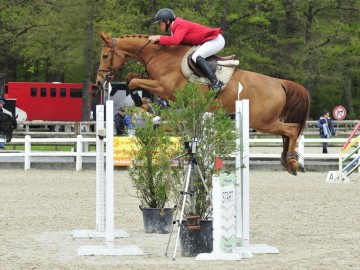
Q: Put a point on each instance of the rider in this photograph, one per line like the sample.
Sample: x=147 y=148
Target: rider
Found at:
x=186 y=32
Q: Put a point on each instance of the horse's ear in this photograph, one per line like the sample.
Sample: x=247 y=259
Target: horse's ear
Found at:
x=105 y=37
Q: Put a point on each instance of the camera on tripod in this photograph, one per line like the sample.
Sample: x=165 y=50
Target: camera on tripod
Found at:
x=191 y=146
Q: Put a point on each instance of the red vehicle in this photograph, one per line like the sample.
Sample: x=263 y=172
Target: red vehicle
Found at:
x=49 y=101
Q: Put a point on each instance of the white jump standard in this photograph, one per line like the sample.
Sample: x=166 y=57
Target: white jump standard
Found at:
x=109 y=248
x=242 y=185
x=99 y=231
x=231 y=215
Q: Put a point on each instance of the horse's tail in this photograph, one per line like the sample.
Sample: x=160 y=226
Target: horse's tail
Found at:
x=297 y=105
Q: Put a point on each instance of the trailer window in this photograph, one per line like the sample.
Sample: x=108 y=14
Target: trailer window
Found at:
x=62 y=92
x=75 y=93
x=43 y=92
x=52 y=92
x=33 y=91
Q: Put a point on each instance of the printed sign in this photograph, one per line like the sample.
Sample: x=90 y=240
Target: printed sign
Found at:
x=228 y=213
x=125 y=145
x=339 y=113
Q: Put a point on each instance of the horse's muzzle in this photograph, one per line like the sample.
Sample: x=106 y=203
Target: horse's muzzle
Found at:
x=100 y=84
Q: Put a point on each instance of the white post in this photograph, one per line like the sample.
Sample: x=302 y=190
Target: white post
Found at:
x=301 y=149
x=244 y=248
x=109 y=248
x=27 y=152
x=110 y=174
x=100 y=169
x=100 y=183
x=79 y=150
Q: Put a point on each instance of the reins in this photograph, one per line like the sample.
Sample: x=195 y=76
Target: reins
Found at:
x=112 y=71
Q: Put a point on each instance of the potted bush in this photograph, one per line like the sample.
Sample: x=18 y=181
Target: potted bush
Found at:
x=215 y=133
x=153 y=175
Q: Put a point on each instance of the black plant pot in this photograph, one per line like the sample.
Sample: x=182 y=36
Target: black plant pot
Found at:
x=157 y=220
x=195 y=240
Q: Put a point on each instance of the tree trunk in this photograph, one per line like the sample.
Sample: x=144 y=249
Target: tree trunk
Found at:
x=309 y=57
x=88 y=53
x=347 y=82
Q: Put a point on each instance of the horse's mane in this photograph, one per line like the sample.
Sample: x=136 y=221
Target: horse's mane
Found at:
x=141 y=36
x=134 y=36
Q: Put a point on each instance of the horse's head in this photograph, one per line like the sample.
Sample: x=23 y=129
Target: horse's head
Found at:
x=7 y=125
x=111 y=60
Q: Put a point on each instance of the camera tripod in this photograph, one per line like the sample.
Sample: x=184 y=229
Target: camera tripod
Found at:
x=191 y=166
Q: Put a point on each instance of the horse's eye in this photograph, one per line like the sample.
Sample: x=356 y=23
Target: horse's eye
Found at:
x=105 y=56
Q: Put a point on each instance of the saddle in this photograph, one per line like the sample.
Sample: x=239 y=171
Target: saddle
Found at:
x=212 y=60
x=223 y=66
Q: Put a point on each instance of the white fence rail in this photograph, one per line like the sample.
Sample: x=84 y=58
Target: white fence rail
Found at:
x=258 y=149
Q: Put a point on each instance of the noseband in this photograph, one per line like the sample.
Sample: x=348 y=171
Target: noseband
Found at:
x=112 y=71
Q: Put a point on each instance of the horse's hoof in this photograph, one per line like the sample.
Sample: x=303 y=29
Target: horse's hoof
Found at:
x=301 y=168
x=292 y=171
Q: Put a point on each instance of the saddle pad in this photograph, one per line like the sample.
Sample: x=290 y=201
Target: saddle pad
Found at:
x=224 y=70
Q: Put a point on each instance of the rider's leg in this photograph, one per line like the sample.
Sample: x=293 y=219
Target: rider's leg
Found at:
x=207 y=49
x=216 y=84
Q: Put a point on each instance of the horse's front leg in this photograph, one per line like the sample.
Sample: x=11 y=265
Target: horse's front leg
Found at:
x=138 y=101
x=153 y=86
x=136 y=81
x=133 y=75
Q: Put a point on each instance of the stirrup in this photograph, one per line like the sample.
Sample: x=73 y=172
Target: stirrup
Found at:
x=217 y=86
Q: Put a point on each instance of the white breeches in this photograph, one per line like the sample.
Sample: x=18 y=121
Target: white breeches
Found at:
x=209 y=48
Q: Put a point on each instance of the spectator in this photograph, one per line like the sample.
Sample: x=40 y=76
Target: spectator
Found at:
x=2 y=103
x=2 y=138
x=326 y=129
x=120 y=123
x=163 y=104
x=128 y=122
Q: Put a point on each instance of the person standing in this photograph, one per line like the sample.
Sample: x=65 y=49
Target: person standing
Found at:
x=2 y=103
x=2 y=138
x=182 y=31
x=120 y=123
x=326 y=129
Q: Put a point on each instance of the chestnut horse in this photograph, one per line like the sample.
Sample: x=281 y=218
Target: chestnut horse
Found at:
x=278 y=107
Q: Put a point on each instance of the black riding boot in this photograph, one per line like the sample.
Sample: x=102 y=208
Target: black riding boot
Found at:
x=325 y=150
x=216 y=85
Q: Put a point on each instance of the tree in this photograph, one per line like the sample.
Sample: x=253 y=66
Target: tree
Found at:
x=314 y=43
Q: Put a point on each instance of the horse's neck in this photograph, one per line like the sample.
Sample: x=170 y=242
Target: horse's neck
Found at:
x=133 y=44
x=146 y=51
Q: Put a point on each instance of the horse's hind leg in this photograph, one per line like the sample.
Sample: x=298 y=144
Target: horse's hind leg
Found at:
x=291 y=156
x=289 y=133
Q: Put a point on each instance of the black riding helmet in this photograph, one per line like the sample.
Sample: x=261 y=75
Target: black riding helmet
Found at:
x=165 y=14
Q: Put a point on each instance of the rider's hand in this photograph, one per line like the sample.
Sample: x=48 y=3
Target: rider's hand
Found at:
x=154 y=39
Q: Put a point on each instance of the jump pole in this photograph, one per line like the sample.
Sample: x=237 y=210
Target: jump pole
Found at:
x=99 y=231
x=109 y=248
x=242 y=188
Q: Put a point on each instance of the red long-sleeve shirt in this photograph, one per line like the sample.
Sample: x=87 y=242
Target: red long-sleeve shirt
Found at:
x=186 y=32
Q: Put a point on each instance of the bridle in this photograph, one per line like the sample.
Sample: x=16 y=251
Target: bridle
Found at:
x=111 y=71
